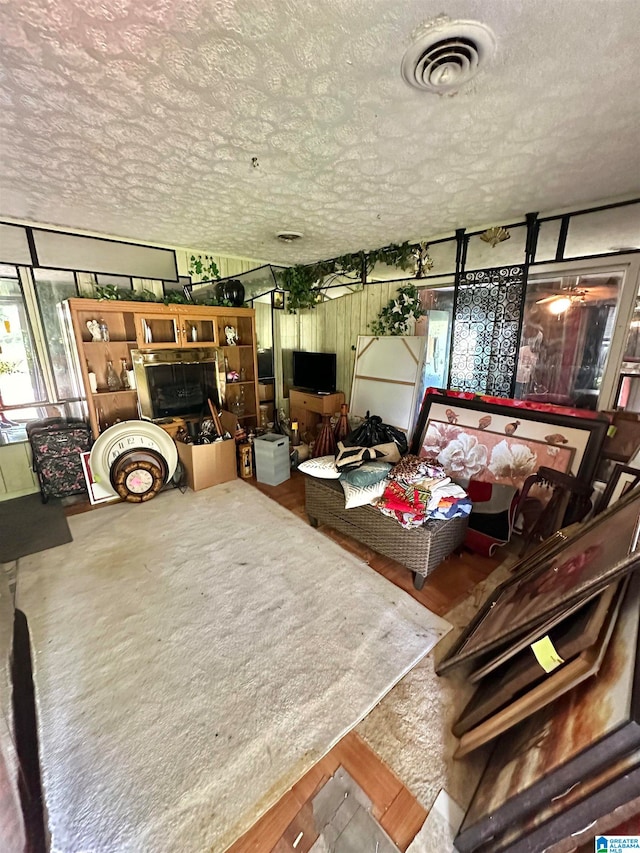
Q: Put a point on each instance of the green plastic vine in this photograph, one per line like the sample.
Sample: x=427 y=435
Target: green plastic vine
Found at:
x=305 y=282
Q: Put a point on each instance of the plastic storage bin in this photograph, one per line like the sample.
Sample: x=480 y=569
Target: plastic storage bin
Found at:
x=272 y=459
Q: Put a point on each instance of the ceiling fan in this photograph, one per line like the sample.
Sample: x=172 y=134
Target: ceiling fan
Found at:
x=558 y=303
x=569 y=297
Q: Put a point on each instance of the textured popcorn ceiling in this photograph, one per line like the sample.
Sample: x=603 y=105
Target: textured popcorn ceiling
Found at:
x=141 y=118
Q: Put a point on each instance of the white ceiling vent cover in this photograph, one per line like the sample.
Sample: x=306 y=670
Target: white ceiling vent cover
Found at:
x=446 y=54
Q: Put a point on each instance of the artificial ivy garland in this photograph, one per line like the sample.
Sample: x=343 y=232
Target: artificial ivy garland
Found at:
x=394 y=318
x=304 y=281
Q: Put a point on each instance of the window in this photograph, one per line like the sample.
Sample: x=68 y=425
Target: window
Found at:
x=52 y=287
x=566 y=335
x=21 y=378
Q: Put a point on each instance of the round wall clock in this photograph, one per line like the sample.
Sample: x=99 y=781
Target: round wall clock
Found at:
x=138 y=475
x=135 y=458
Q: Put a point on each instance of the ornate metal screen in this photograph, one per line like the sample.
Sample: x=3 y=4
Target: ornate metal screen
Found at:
x=486 y=329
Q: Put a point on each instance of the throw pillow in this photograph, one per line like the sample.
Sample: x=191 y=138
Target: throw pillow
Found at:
x=323 y=467
x=348 y=458
x=361 y=495
x=368 y=474
x=388 y=452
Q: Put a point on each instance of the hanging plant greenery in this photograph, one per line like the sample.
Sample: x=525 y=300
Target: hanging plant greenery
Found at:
x=203 y=267
x=107 y=291
x=305 y=282
x=303 y=286
x=395 y=317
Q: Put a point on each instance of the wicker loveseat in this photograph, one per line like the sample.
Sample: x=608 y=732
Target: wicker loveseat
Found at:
x=420 y=549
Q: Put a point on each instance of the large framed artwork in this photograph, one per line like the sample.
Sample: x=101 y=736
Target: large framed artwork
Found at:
x=451 y=429
x=577 y=814
x=585 y=731
x=492 y=457
x=598 y=553
x=567 y=676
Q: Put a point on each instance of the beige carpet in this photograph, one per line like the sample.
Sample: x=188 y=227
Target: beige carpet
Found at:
x=411 y=728
x=193 y=657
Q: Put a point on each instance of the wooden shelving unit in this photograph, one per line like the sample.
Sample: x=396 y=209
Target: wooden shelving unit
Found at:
x=145 y=326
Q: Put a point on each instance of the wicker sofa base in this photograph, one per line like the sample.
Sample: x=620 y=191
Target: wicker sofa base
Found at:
x=420 y=549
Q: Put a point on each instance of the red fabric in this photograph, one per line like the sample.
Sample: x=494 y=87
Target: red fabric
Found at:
x=516 y=404
x=479 y=491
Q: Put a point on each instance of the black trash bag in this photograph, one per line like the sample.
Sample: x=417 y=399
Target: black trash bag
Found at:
x=372 y=432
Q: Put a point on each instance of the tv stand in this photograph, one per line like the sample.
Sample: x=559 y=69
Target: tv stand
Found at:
x=308 y=407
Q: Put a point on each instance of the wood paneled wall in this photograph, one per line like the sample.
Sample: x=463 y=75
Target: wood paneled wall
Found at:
x=333 y=326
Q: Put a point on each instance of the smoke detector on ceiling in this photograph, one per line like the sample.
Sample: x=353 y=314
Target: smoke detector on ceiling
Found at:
x=289 y=236
x=445 y=54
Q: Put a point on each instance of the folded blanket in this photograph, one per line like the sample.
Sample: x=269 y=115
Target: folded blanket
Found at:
x=413 y=503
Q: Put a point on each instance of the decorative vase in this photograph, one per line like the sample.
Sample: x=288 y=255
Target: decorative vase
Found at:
x=325 y=443
x=231 y=291
x=220 y=290
x=342 y=428
x=113 y=380
x=235 y=292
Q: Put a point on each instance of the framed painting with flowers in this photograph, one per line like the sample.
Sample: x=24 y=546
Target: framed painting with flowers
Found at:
x=468 y=421
x=474 y=453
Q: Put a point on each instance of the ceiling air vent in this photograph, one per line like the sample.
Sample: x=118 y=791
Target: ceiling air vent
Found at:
x=444 y=55
x=289 y=236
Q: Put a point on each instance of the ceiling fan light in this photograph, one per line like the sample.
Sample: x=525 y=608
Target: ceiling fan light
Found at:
x=560 y=305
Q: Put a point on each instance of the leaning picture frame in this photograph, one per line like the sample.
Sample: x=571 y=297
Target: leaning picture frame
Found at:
x=585 y=434
x=587 y=810
x=597 y=553
x=546 y=755
x=508 y=460
x=555 y=684
x=623 y=478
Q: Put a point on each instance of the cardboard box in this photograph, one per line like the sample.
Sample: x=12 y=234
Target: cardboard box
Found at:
x=208 y=465
x=265 y=391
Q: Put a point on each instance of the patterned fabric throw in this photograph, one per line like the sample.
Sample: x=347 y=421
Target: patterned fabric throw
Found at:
x=419 y=491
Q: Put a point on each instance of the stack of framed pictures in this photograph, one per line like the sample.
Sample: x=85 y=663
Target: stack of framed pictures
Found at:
x=566 y=741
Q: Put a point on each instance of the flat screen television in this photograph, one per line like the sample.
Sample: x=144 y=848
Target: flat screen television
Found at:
x=314 y=371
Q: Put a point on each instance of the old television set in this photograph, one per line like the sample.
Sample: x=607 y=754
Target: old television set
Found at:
x=314 y=371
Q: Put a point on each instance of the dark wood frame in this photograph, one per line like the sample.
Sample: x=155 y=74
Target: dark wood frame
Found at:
x=457 y=653
x=521 y=672
x=561 y=680
x=618 y=471
x=592 y=759
x=597 y=427
x=578 y=818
